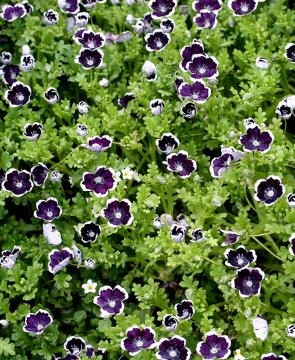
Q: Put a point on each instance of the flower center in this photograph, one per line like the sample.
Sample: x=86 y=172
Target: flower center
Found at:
x=196 y=96
x=207 y=23
x=91 y=233
x=214 y=350
x=98 y=180
x=256 y=142
x=20 y=97
x=202 y=69
x=185 y=313
x=90 y=61
x=240 y=261
x=18 y=184
x=162 y=8
x=249 y=283
x=39 y=326
x=49 y=213
x=270 y=193
x=244 y=7
x=139 y=343
x=13 y=75
x=172 y=353
x=112 y=303
x=179 y=167
x=117 y=215
x=159 y=43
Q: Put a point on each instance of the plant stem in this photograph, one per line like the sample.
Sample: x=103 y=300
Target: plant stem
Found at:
x=261 y=244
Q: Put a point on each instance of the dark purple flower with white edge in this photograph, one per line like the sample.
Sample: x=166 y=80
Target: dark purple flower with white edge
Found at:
x=51 y=95
x=124 y=101
x=82 y=18
x=206 y=19
x=89 y=351
x=240 y=258
x=242 y=7
x=13 y=12
x=181 y=164
x=167 y=143
x=290 y=52
x=292 y=247
x=198 y=235
x=27 y=62
x=177 y=233
x=167 y=25
x=10 y=73
x=89 y=232
x=8 y=257
x=157 y=106
x=231 y=237
x=187 y=53
x=91 y=40
x=29 y=8
x=69 y=6
x=50 y=17
x=162 y=8
x=272 y=356
x=203 y=66
x=98 y=143
x=58 y=259
x=170 y=322
x=79 y=35
x=36 y=323
x=291 y=200
x=100 y=182
x=74 y=345
x=138 y=339
x=172 y=349
x=90 y=59
x=248 y=281
x=6 y=57
x=89 y=4
x=185 y=310
x=111 y=300
x=269 y=190
x=291 y=330
x=285 y=108
x=118 y=212
x=210 y=5
x=197 y=92
x=188 y=110
x=33 y=131
x=17 y=182
x=219 y=165
x=255 y=139
x=18 y=95
x=214 y=347
x=157 y=40
x=39 y=173
x=47 y=210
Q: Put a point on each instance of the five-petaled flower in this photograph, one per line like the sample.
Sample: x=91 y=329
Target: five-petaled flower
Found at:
x=48 y=210
x=206 y=19
x=240 y=258
x=89 y=232
x=167 y=143
x=197 y=92
x=242 y=7
x=172 y=349
x=269 y=190
x=181 y=164
x=214 y=347
x=118 y=212
x=138 y=339
x=89 y=287
x=58 y=259
x=185 y=310
x=162 y=8
x=18 y=95
x=100 y=182
x=248 y=281
x=36 y=323
x=98 y=143
x=74 y=345
x=17 y=182
x=255 y=139
x=210 y=5
x=157 y=40
x=90 y=58
x=111 y=300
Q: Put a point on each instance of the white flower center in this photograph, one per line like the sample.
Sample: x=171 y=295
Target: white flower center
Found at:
x=214 y=350
x=240 y=261
x=20 y=97
x=270 y=193
x=39 y=326
x=256 y=143
x=179 y=167
x=98 y=180
x=91 y=44
x=162 y=8
x=202 y=69
x=172 y=353
x=90 y=61
x=249 y=283
x=207 y=23
x=244 y=7
x=18 y=184
x=13 y=75
x=195 y=96
x=91 y=233
x=49 y=213
x=185 y=313
x=112 y=303
x=139 y=343
x=117 y=215
x=159 y=43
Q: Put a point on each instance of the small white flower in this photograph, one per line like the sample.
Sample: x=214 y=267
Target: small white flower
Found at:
x=127 y=173
x=239 y=356
x=104 y=82
x=89 y=287
x=82 y=130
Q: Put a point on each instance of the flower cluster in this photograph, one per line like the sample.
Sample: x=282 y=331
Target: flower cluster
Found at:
x=207 y=11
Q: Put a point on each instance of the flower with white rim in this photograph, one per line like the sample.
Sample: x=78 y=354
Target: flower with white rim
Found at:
x=89 y=287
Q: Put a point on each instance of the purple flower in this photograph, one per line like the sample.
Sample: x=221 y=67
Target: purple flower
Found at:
x=290 y=52
x=157 y=106
x=187 y=53
x=27 y=62
x=51 y=95
x=248 y=281
x=203 y=66
x=89 y=232
x=6 y=57
x=188 y=110
x=29 y=8
x=18 y=95
x=13 y=12
x=90 y=59
x=69 y=6
x=272 y=356
x=36 y=323
x=89 y=352
x=74 y=345
x=197 y=92
x=8 y=257
x=138 y=340
x=198 y=235
x=33 y=131
x=58 y=259
x=167 y=143
x=185 y=310
x=91 y=40
x=284 y=110
x=50 y=17
x=81 y=19
x=255 y=139
x=231 y=237
x=69 y=357
x=157 y=40
x=220 y=164
x=39 y=173
x=100 y=182
x=17 y=182
x=124 y=101
x=240 y=258
x=291 y=200
x=177 y=233
x=269 y=190
x=167 y=25
x=162 y=8
x=98 y=143
x=292 y=247
x=89 y=4
x=118 y=212
x=214 y=347
x=181 y=164
x=291 y=330
x=242 y=7
x=173 y=349
x=170 y=322
x=210 y=5
x=89 y=263
x=206 y=19
x=47 y=210
x=10 y=73
x=111 y=300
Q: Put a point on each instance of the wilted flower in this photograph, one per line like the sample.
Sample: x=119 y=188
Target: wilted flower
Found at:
x=111 y=300
x=167 y=25
x=89 y=287
x=198 y=235
x=36 y=323
x=138 y=340
x=123 y=101
x=260 y=327
x=56 y=176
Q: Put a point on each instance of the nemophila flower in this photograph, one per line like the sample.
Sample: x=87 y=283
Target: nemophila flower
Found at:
x=29 y=7
x=206 y=19
x=292 y=247
x=284 y=110
x=83 y=107
x=6 y=58
x=74 y=345
x=198 y=235
x=111 y=300
x=139 y=26
x=158 y=223
x=214 y=347
x=39 y=174
x=58 y=259
x=27 y=62
x=177 y=233
x=290 y=52
x=242 y=7
x=255 y=139
x=187 y=53
x=3 y=323
x=98 y=143
x=51 y=234
x=33 y=131
x=68 y=357
x=89 y=4
x=167 y=25
x=170 y=322
x=69 y=6
x=82 y=130
x=188 y=110
x=210 y=5
x=78 y=34
x=262 y=63
x=8 y=258
x=231 y=237
x=248 y=281
x=50 y=17
x=167 y=143
x=185 y=310
x=124 y=101
x=260 y=327
x=172 y=349
x=18 y=95
x=77 y=254
x=272 y=356
x=51 y=95
x=56 y=176
x=90 y=58
x=157 y=40
x=13 y=12
x=91 y=40
x=149 y=70
x=249 y=122
x=178 y=81
x=117 y=212
x=157 y=106
x=17 y=182
x=291 y=200
x=89 y=263
x=291 y=330
x=89 y=351
x=138 y=339
x=162 y=8
x=219 y=165
x=240 y=258
x=269 y=190
x=36 y=323
x=89 y=287
x=10 y=73
x=100 y=182
x=82 y=18
x=197 y=92
x=89 y=232
x=203 y=66
x=181 y=164
x=47 y=210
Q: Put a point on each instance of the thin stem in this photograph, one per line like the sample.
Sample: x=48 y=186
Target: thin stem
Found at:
x=248 y=201
x=270 y=240
x=261 y=244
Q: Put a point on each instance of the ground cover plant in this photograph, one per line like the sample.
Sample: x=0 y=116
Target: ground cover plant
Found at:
x=147 y=179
